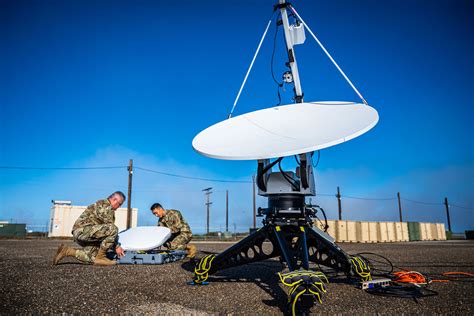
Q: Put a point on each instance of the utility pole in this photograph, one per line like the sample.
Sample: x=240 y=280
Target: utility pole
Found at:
x=338 y=195
x=226 y=210
x=254 y=203
x=447 y=213
x=129 y=202
x=208 y=193
x=399 y=207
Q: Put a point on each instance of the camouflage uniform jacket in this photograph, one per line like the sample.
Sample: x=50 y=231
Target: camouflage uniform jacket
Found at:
x=175 y=221
x=99 y=213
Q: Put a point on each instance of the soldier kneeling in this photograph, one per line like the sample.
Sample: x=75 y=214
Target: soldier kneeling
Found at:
x=180 y=232
x=96 y=232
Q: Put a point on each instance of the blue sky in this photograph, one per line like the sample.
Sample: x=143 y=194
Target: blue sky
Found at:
x=96 y=83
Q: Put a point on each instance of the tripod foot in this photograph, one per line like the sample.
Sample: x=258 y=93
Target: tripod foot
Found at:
x=304 y=287
x=201 y=271
x=194 y=283
x=361 y=268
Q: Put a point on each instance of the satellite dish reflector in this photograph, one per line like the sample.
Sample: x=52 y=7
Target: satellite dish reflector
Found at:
x=144 y=237
x=285 y=130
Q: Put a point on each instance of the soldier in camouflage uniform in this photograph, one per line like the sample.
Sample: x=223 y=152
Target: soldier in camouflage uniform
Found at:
x=96 y=232
x=181 y=234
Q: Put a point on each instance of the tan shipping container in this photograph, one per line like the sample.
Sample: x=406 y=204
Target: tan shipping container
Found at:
x=341 y=231
x=441 y=231
x=373 y=231
x=391 y=235
x=398 y=231
x=428 y=231
x=425 y=231
x=405 y=236
x=434 y=231
x=362 y=229
x=382 y=232
x=351 y=231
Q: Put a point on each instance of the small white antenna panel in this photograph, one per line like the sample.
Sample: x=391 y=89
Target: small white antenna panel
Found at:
x=144 y=237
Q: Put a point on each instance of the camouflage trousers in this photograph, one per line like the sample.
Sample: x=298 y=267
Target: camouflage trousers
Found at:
x=92 y=238
x=179 y=242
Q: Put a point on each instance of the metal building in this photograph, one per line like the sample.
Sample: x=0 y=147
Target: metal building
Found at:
x=12 y=230
x=63 y=215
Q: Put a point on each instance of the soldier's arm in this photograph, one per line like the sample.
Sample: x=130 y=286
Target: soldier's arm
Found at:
x=176 y=225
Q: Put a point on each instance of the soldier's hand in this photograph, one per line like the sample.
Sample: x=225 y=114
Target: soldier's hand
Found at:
x=120 y=252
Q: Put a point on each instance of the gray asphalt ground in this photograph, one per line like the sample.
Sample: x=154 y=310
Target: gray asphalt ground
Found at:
x=29 y=284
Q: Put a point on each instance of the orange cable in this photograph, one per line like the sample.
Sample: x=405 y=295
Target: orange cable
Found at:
x=458 y=273
x=409 y=277
x=418 y=278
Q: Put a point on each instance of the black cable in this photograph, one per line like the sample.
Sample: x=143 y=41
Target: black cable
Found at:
x=291 y=181
x=402 y=291
x=412 y=291
x=297 y=160
x=273 y=52
x=279 y=85
x=325 y=225
x=261 y=171
x=319 y=156
x=371 y=261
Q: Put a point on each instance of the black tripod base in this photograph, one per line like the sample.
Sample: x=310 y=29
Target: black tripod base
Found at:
x=296 y=246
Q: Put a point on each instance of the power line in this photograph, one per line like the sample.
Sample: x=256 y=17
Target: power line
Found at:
x=121 y=167
x=464 y=207
x=61 y=168
x=419 y=202
x=368 y=199
x=324 y=194
x=193 y=178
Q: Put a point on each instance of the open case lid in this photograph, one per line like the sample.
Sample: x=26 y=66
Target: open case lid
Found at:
x=285 y=130
x=144 y=237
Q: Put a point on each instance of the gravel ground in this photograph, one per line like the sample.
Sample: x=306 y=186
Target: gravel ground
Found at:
x=30 y=284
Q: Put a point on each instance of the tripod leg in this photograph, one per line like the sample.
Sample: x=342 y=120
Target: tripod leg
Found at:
x=324 y=252
x=304 y=248
x=329 y=254
x=248 y=250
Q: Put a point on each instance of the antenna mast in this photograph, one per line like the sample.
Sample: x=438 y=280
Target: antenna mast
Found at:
x=291 y=52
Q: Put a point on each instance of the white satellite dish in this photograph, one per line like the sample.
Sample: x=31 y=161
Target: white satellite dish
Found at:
x=290 y=129
x=285 y=130
x=144 y=237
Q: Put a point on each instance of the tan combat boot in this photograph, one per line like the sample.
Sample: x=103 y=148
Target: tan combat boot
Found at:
x=63 y=252
x=102 y=260
x=191 y=251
